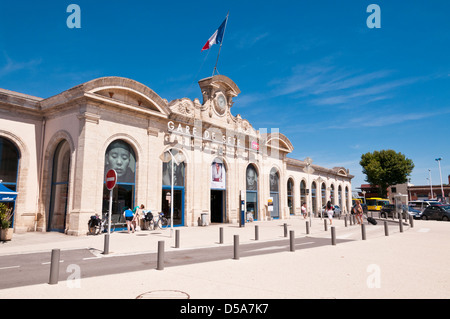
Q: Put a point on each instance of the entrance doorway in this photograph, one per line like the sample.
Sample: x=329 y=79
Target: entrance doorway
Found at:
x=217 y=206
x=178 y=205
x=60 y=188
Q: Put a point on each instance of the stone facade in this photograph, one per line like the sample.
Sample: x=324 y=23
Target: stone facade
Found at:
x=89 y=117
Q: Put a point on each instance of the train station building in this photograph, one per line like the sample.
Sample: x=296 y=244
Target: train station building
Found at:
x=55 y=152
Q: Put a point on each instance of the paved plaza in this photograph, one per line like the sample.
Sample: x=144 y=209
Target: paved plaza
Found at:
x=409 y=264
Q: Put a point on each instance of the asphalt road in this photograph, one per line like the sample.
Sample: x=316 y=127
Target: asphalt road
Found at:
x=31 y=269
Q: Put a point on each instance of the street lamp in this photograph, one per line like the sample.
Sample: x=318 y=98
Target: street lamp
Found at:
x=440 y=174
x=431 y=184
x=309 y=170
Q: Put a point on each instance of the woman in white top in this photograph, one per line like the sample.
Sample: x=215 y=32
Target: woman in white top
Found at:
x=304 y=210
x=330 y=212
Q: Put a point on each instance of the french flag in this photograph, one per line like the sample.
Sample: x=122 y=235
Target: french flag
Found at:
x=217 y=37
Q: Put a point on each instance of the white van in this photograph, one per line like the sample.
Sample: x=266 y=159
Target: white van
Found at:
x=422 y=204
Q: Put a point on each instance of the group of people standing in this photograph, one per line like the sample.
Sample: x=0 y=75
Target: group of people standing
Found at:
x=329 y=210
x=133 y=218
x=357 y=210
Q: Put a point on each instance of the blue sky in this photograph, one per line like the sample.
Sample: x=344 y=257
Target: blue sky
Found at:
x=313 y=69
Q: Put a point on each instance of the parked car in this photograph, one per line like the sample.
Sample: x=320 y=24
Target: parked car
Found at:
x=437 y=212
x=388 y=211
x=416 y=214
x=336 y=208
x=420 y=205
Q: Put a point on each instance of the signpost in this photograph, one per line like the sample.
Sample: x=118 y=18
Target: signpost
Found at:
x=111 y=181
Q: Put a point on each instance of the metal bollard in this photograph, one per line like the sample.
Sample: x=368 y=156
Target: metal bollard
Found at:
x=160 y=262
x=177 y=238
x=256 y=232
x=221 y=235
x=307 y=228
x=54 y=267
x=285 y=230
x=345 y=221
x=363 y=231
x=236 y=247
x=386 y=228
x=333 y=236
x=400 y=225
x=325 y=225
x=106 y=245
x=411 y=221
x=292 y=240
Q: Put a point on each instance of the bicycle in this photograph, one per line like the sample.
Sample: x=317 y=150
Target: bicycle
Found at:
x=97 y=226
x=162 y=222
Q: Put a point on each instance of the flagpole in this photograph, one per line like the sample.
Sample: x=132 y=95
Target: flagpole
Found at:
x=220 y=48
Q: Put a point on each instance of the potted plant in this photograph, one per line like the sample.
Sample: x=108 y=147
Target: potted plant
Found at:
x=5 y=223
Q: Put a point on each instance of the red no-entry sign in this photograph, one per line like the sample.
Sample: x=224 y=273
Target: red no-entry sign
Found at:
x=111 y=179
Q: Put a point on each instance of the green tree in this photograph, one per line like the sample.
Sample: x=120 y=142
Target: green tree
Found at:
x=385 y=168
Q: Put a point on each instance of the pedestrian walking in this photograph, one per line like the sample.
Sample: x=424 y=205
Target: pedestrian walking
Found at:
x=304 y=214
x=359 y=212
x=330 y=211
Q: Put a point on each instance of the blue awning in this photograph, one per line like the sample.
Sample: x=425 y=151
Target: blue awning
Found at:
x=7 y=195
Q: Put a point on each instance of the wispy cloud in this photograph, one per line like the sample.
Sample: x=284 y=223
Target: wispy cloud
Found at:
x=322 y=84
x=249 y=38
x=388 y=119
x=13 y=66
x=328 y=85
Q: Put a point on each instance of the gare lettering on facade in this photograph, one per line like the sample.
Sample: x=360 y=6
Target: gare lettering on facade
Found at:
x=212 y=134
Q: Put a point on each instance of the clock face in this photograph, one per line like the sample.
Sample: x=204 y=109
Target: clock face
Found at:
x=221 y=104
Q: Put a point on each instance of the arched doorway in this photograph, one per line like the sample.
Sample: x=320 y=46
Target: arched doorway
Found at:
x=290 y=196
x=252 y=191
x=303 y=198
x=9 y=168
x=59 y=188
x=218 y=191
x=121 y=157
x=179 y=179
x=324 y=195
x=274 y=192
x=314 y=197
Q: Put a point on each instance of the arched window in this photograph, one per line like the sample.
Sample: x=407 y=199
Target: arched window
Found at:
x=314 y=197
x=340 y=196
x=290 y=195
x=9 y=168
x=251 y=181
x=179 y=178
x=332 y=194
x=120 y=156
x=324 y=194
x=9 y=163
x=303 y=193
x=346 y=198
x=60 y=188
x=274 y=192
